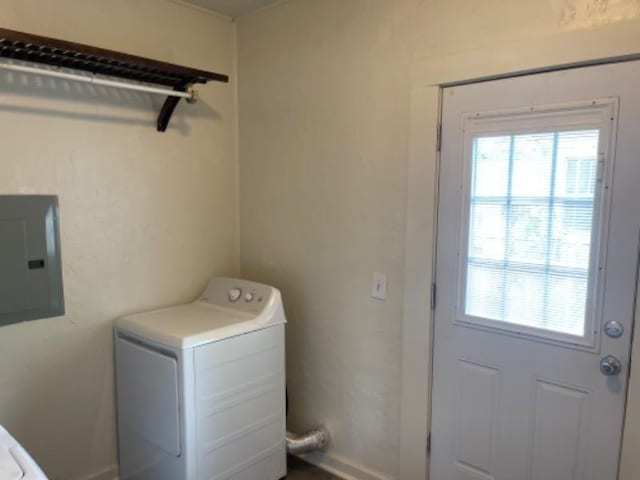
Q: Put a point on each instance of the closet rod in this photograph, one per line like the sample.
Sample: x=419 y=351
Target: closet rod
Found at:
x=189 y=95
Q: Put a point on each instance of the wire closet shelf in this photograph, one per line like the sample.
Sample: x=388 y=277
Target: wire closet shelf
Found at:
x=104 y=67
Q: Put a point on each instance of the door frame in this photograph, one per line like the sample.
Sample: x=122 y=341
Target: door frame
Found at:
x=602 y=45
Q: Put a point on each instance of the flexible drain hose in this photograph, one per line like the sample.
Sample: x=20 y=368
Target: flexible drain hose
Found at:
x=316 y=439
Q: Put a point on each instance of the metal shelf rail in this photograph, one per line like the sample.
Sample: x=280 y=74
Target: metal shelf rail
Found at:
x=103 y=67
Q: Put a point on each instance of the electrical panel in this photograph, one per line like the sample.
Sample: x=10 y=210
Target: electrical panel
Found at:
x=30 y=265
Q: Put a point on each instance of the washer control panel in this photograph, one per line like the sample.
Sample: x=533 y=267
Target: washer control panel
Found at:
x=238 y=294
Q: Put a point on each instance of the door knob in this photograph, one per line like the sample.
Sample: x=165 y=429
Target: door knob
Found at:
x=610 y=365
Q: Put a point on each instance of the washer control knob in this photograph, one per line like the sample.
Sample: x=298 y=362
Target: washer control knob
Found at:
x=234 y=294
x=248 y=297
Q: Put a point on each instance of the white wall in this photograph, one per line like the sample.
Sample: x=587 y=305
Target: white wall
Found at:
x=338 y=111
x=337 y=114
x=145 y=217
x=324 y=129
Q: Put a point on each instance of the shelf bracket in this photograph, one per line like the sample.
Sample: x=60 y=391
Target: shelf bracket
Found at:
x=169 y=106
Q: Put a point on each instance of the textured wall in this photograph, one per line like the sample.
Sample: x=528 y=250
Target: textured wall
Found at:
x=324 y=138
x=145 y=217
x=327 y=88
x=337 y=115
x=445 y=27
x=324 y=102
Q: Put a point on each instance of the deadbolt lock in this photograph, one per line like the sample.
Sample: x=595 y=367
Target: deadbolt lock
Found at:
x=613 y=329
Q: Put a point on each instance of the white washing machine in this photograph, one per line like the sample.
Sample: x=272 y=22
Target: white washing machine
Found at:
x=201 y=387
x=15 y=462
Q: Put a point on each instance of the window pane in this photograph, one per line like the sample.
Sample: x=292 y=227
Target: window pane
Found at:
x=532 y=164
x=489 y=228
x=571 y=235
x=528 y=224
x=484 y=295
x=523 y=292
x=530 y=229
x=491 y=166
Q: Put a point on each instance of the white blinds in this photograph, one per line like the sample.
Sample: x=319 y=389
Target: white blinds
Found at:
x=530 y=229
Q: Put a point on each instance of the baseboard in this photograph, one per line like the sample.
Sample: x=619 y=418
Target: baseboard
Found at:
x=332 y=463
x=342 y=467
x=109 y=473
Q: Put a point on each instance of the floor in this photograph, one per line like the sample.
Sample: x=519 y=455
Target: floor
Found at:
x=299 y=470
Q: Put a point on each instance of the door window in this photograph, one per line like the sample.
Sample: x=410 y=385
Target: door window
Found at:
x=531 y=243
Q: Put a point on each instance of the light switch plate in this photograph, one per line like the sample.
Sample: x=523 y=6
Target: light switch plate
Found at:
x=379 y=286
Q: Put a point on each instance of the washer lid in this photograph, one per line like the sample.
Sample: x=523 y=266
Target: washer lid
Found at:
x=188 y=326
x=15 y=462
x=9 y=468
x=217 y=315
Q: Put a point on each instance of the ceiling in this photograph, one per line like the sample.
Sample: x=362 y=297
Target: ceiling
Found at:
x=232 y=8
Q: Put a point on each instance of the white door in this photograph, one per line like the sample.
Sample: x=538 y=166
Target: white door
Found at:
x=539 y=215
